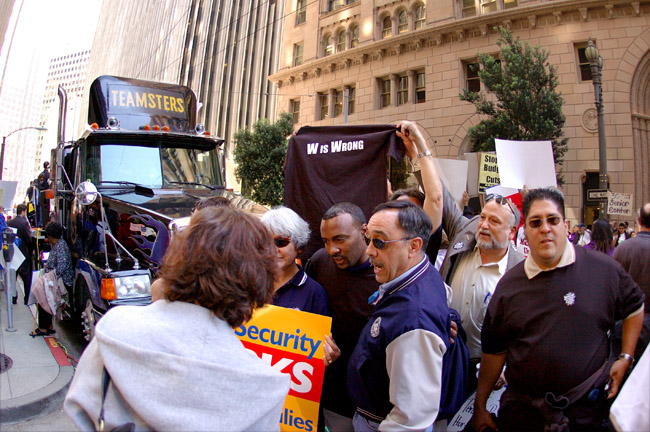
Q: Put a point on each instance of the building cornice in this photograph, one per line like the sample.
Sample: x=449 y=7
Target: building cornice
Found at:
x=451 y=31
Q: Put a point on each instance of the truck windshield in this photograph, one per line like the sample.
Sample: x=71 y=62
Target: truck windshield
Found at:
x=152 y=166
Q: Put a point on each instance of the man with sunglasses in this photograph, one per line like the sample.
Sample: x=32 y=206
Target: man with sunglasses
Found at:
x=550 y=320
x=395 y=375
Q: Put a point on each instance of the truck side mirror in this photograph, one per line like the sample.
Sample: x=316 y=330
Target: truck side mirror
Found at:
x=86 y=193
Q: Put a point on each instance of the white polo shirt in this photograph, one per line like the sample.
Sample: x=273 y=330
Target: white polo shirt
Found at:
x=472 y=287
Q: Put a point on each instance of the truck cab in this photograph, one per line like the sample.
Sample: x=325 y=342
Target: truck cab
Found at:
x=128 y=185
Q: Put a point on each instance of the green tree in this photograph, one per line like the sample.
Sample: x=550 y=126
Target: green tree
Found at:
x=260 y=154
x=527 y=106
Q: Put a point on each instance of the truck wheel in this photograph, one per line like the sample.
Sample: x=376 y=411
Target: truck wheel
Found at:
x=88 y=317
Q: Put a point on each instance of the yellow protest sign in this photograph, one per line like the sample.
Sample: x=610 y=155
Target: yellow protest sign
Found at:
x=291 y=341
x=488 y=171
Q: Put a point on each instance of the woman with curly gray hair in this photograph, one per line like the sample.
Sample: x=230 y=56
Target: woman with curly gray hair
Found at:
x=293 y=288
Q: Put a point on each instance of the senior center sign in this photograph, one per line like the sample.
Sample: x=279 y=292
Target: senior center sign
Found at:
x=291 y=341
x=620 y=204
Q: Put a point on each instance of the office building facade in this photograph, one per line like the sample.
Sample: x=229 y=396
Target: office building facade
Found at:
x=410 y=59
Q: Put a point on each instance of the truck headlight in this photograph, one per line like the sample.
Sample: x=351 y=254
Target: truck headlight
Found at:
x=126 y=287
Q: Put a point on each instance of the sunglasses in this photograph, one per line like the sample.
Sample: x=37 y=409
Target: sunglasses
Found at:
x=502 y=201
x=379 y=244
x=281 y=241
x=551 y=220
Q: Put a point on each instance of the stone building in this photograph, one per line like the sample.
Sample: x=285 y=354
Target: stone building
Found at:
x=409 y=59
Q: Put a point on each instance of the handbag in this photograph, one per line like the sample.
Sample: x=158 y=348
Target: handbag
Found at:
x=126 y=427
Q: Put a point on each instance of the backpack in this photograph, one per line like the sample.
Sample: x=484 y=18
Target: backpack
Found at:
x=455 y=373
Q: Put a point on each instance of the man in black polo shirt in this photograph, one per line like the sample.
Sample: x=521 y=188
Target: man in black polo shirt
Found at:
x=344 y=270
x=549 y=320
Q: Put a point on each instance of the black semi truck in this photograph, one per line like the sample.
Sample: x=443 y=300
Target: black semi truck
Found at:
x=131 y=181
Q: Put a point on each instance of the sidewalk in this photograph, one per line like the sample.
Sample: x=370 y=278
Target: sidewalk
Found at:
x=34 y=372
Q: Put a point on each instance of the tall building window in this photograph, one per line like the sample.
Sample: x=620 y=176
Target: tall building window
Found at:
x=420 y=87
x=340 y=41
x=323 y=101
x=386 y=27
x=301 y=11
x=351 y=98
x=335 y=4
x=403 y=22
x=384 y=93
x=294 y=106
x=469 y=8
x=297 y=53
x=403 y=90
x=488 y=6
x=472 y=81
x=583 y=65
x=338 y=103
x=420 y=17
x=354 y=37
x=328 y=45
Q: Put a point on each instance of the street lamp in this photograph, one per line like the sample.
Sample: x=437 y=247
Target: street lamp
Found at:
x=4 y=138
x=592 y=55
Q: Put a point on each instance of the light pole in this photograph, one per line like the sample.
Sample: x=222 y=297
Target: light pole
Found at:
x=4 y=139
x=591 y=52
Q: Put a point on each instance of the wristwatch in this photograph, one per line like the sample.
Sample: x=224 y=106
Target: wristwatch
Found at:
x=426 y=153
x=625 y=356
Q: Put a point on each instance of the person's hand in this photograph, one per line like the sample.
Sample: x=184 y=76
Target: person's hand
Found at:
x=410 y=134
x=481 y=419
x=454 y=332
x=465 y=199
x=523 y=191
x=332 y=351
x=616 y=374
x=501 y=381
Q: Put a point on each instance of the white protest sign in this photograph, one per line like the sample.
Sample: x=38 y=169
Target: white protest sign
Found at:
x=528 y=163
x=464 y=414
x=8 y=193
x=453 y=173
x=472 y=173
x=620 y=204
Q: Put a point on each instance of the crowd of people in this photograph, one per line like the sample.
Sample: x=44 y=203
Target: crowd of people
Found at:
x=558 y=325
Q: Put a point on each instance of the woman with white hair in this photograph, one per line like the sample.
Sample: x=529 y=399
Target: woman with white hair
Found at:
x=293 y=288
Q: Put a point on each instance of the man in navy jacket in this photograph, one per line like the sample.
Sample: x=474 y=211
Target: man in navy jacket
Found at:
x=395 y=375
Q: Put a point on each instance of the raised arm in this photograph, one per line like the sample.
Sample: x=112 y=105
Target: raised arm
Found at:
x=417 y=151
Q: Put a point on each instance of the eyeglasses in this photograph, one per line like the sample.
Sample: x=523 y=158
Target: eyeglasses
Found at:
x=379 y=244
x=281 y=241
x=503 y=201
x=551 y=220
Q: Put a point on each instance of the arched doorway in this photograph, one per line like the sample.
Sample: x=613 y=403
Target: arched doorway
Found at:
x=640 y=108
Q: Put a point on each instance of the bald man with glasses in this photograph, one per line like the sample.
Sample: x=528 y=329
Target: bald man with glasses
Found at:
x=480 y=249
x=480 y=252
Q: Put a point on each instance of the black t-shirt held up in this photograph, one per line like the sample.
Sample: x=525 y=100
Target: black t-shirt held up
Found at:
x=331 y=164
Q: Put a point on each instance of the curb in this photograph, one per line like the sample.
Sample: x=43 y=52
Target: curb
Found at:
x=38 y=403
